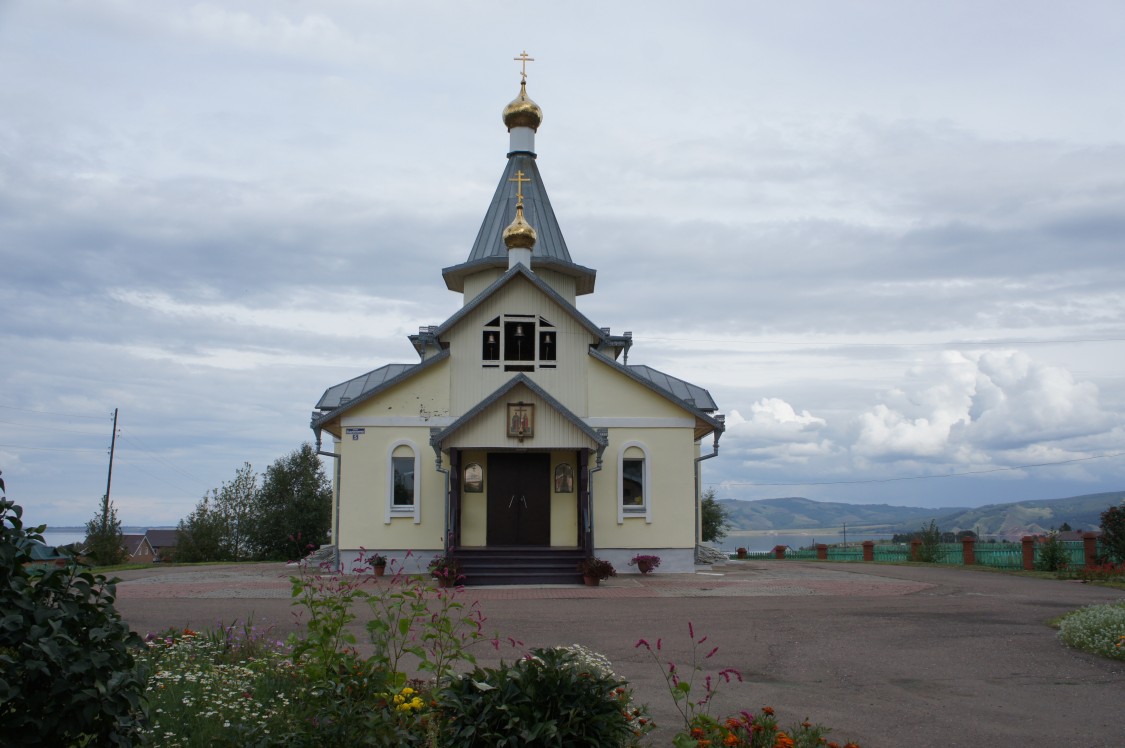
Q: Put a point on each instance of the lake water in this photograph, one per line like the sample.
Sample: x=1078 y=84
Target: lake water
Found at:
x=755 y=543
x=62 y=537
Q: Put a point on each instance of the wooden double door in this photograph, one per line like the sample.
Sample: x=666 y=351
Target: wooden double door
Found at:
x=519 y=498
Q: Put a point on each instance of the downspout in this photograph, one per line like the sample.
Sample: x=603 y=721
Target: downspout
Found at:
x=336 y=491
x=698 y=474
x=604 y=433
x=448 y=509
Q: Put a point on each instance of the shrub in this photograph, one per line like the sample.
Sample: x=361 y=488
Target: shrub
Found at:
x=1098 y=629
x=67 y=671
x=930 y=550
x=1052 y=555
x=552 y=697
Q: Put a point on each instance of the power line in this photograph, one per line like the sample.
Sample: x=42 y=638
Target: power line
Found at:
x=928 y=477
x=888 y=344
x=49 y=412
x=49 y=428
x=54 y=449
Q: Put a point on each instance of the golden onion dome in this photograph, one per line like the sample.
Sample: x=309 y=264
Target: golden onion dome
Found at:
x=519 y=234
x=523 y=112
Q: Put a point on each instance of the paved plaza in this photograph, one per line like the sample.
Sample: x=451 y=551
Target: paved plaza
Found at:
x=887 y=655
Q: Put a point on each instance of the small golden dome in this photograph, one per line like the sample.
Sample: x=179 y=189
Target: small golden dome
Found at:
x=523 y=112
x=519 y=234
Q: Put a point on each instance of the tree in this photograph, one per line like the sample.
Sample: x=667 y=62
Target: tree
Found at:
x=105 y=544
x=293 y=508
x=219 y=527
x=198 y=536
x=713 y=517
x=234 y=503
x=1113 y=531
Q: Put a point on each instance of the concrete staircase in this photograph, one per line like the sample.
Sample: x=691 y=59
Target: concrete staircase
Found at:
x=520 y=565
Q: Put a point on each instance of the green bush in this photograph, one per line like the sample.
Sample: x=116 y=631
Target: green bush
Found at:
x=67 y=674
x=930 y=550
x=554 y=697
x=1098 y=629
x=1053 y=555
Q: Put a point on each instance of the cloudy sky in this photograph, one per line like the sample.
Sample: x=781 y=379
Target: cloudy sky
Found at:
x=888 y=237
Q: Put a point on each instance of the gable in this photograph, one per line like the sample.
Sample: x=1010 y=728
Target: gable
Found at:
x=420 y=392
x=487 y=426
x=614 y=394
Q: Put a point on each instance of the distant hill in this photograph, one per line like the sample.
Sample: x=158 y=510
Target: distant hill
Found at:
x=1030 y=517
x=1013 y=519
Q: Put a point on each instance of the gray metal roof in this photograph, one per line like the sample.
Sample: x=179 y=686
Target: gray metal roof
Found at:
x=354 y=391
x=686 y=391
x=550 y=247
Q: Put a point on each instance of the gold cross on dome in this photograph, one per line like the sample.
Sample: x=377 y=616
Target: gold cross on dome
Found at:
x=519 y=179
x=523 y=59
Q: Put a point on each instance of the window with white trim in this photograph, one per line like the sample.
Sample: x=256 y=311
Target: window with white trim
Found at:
x=403 y=480
x=633 y=482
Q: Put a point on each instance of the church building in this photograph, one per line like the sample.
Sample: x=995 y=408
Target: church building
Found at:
x=521 y=440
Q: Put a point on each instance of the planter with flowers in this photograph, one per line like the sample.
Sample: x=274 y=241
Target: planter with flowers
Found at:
x=446 y=570
x=644 y=563
x=379 y=564
x=595 y=570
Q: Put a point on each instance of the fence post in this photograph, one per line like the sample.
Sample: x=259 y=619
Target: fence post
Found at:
x=779 y=551
x=968 y=551
x=1090 y=549
x=915 y=549
x=869 y=550
x=822 y=551
x=1028 y=552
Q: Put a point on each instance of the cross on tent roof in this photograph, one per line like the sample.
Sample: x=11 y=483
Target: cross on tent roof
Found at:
x=519 y=179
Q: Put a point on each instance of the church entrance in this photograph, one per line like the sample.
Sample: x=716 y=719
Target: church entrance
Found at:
x=519 y=498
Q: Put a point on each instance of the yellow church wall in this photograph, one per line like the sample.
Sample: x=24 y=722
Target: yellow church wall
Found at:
x=564 y=506
x=474 y=506
x=613 y=394
x=563 y=285
x=477 y=282
x=424 y=395
x=365 y=466
x=472 y=382
x=670 y=491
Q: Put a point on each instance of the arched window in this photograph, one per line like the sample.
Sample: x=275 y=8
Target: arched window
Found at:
x=633 y=482
x=404 y=481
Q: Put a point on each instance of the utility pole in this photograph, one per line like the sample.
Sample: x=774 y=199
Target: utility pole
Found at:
x=845 y=535
x=109 y=478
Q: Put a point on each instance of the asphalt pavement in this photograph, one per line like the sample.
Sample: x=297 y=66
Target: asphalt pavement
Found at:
x=886 y=655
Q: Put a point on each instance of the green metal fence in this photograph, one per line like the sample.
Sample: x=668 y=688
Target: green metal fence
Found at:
x=997 y=555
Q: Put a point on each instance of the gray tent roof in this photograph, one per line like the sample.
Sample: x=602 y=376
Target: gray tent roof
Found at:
x=550 y=248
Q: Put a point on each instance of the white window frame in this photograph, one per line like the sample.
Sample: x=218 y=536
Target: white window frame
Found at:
x=398 y=511
x=622 y=514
